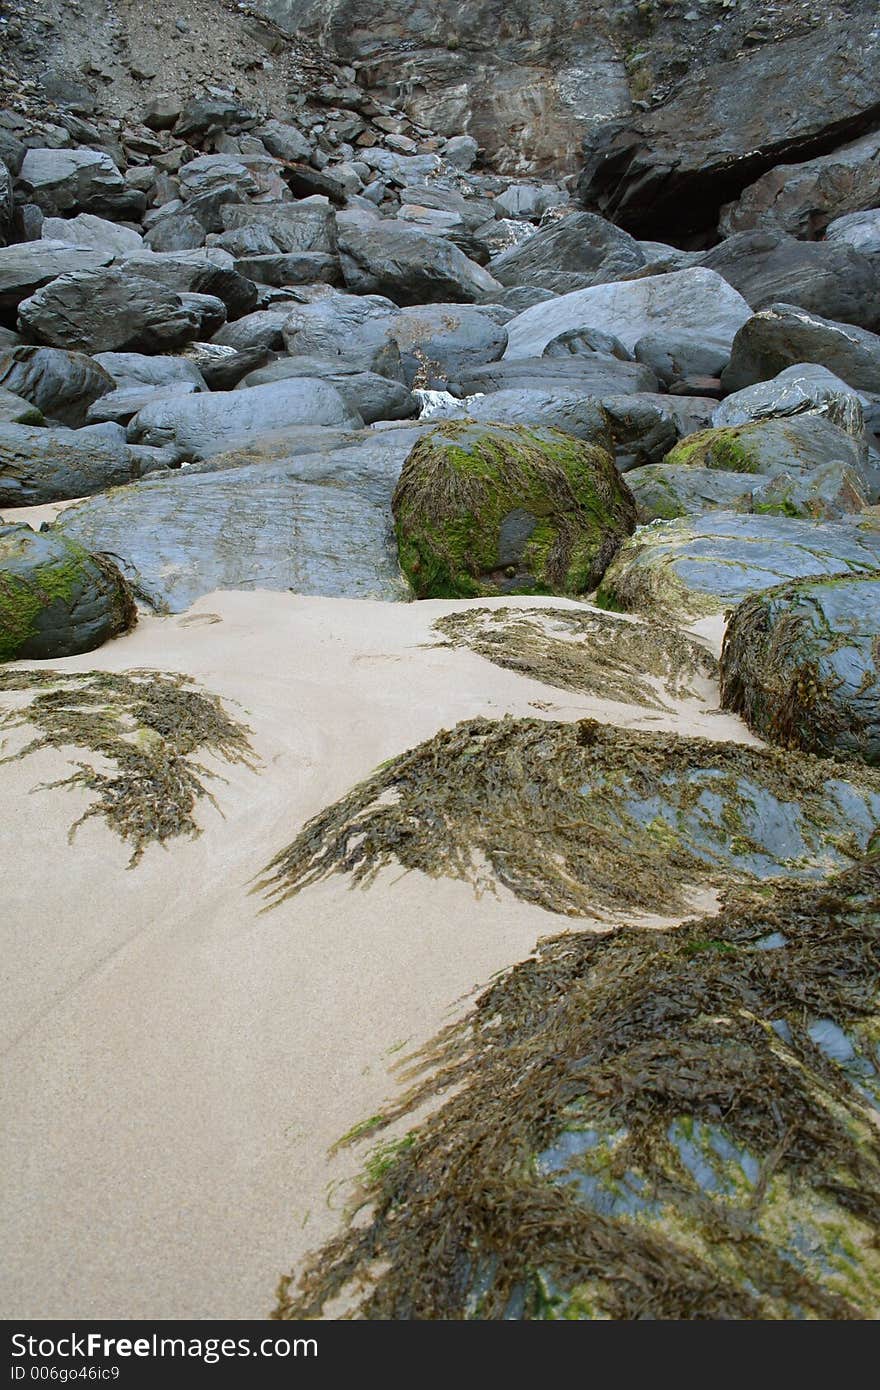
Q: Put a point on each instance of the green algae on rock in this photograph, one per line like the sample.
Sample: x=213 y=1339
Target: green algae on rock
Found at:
x=801 y=664
x=146 y=724
x=494 y=509
x=582 y=817
x=587 y=651
x=56 y=599
x=674 y=1124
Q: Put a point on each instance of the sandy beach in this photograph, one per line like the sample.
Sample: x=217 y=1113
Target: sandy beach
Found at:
x=176 y=1065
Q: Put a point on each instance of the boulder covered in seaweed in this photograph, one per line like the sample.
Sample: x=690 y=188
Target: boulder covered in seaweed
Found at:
x=674 y=1124
x=55 y=598
x=801 y=664
x=483 y=510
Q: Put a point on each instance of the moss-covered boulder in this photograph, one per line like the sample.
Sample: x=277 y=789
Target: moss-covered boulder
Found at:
x=798 y=444
x=801 y=664
x=664 y=492
x=55 y=598
x=482 y=510
x=673 y=1124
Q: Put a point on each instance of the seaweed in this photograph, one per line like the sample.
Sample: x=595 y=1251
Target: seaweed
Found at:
x=577 y=817
x=585 y=651
x=631 y=1125
x=147 y=724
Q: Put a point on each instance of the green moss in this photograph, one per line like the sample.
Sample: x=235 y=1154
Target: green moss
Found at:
x=726 y=449
x=463 y=481
x=23 y=599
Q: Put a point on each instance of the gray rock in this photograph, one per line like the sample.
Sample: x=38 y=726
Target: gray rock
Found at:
x=108 y=310
x=312 y=521
x=40 y=465
x=27 y=266
x=55 y=598
x=689 y=568
x=285 y=141
x=461 y=151
x=203 y=114
x=802 y=389
x=353 y=328
x=61 y=384
x=803 y=198
x=411 y=267
x=372 y=396
x=828 y=278
x=530 y=200
x=674 y=356
x=202 y=425
x=223 y=368
x=801 y=664
x=579 y=342
x=6 y=204
x=400 y=168
x=15 y=410
x=262 y=329
x=783 y=335
x=664 y=492
x=291 y=226
x=179 y=231
x=96 y=233
x=77 y=179
x=197 y=272
x=212 y=173
x=137 y=369
x=121 y=405
x=573 y=412
x=438 y=341
x=696 y=299
x=575 y=253
x=858 y=229
x=520 y=297
x=592 y=374
x=291 y=268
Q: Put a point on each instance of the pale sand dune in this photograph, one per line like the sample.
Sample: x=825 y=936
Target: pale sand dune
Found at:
x=176 y=1065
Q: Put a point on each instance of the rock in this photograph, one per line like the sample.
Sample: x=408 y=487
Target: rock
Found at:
x=312 y=522
x=40 y=465
x=121 y=405
x=573 y=412
x=162 y=112
x=578 y=342
x=179 y=231
x=803 y=198
x=373 y=397
x=55 y=598
x=223 y=368
x=108 y=310
x=461 y=151
x=291 y=268
x=61 y=384
x=529 y=200
x=6 y=205
x=664 y=493
x=438 y=341
x=203 y=114
x=137 y=369
x=262 y=329
x=27 y=266
x=686 y=569
x=96 y=233
x=213 y=173
x=202 y=425
x=674 y=356
x=696 y=299
x=411 y=267
x=792 y=444
x=858 y=229
x=575 y=253
x=77 y=180
x=520 y=297
x=353 y=328
x=483 y=510
x=593 y=374
x=828 y=278
x=782 y=336
x=667 y=173
x=643 y=429
x=291 y=226
x=801 y=664
x=285 y=141
x=207 y=272
x=15 y=410
x=401 y=169
x=798 y=390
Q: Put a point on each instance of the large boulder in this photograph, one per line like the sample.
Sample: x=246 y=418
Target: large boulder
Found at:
x=261 y=329
x=197 y=272
x=801 y=664
x=667 y=173
x=55 y=598
x=804 y=389
x=783 y=335
x=39 y=465
x=787 y=444
x=94 y=232
x=109 y=310
x=15 y=410
x=693 y=299
x=824 y=277
x=80 y=180
x=373 y=397
x=438 y=341
x=574 y=253
x=206 y=424
x=290 y=226
x=411 y=267
x=314 y=521
x=483 y=509
x=28 y=265
x=61 y=384
x=571 y=411
x=803 y=198
x=858 y=229
x=354 y=328
x=691 y=568
x=677 y=356
x=140 y=369
x=593 y=374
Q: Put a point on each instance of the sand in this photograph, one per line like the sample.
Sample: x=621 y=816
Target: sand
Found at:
x=176 y=1065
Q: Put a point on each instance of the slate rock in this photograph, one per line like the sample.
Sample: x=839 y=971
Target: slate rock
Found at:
x=108 y=310
x=373 y=397
x=578 y=342
x=291 y=226
x=15 y=410
x=574 y=253
x=285 y=141
x=411 y=267
x=179 y=231
x=674 y=356
x=354 y=328
x=803 y=198
x=291 y=268
x=438 y=341
x=61 y=384
x=96 y=233
x=802 y=389
x=593 y=374
x=197 y=272
x=82 y=180
x=56 y=599
x=41 y=465
x=261 y=329
x=27 y=266
x=858 y=229
x=783 y=335
x=801 y=664
x=139 y=369
x=579 y=415
x=695 y=299
x=121 y=405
